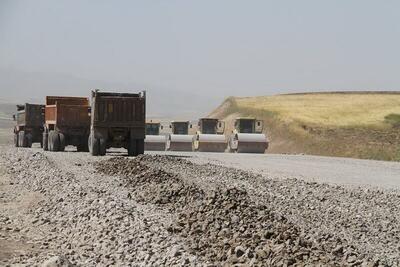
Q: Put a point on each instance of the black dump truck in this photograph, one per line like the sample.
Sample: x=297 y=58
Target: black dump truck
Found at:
x=117 y=120
x=29 y=125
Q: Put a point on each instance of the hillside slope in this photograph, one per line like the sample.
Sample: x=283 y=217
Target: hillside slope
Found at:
x=353 y=124
x=6 y=122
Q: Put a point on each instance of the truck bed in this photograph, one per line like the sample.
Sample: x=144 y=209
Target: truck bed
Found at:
x=118 y=110
x=67 y=111
x=30 y=115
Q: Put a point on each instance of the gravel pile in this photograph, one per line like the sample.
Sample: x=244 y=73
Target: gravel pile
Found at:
x=73 y=209
x=217 y=216
x=364 y=221
x=84 y=217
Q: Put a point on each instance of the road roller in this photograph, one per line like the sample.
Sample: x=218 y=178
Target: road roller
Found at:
x=210 y=136
x=153 y=140
x=179 y=139
x=247 y=136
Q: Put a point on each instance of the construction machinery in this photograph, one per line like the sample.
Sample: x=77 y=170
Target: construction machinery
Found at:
x=117 y=120
x=180 y=140
x=154 y=141
x=210 y=136
x=29 y=125
x=247 y=136
x=67 y=122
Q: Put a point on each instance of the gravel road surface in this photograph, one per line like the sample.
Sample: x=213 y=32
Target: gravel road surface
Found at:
x=344 y=171
x=71 y=209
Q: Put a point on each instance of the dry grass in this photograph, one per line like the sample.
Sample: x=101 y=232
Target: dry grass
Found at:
x=360 y=125
x=333 y=110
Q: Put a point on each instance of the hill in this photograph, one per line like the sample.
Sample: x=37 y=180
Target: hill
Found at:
x=349 y=124
x=6 y=122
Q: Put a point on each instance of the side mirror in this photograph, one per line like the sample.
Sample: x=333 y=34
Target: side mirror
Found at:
x=190 y=126
x=161 y=127
x=14 y=117
x=221 y=127
x=170 y=126
x=259 y=126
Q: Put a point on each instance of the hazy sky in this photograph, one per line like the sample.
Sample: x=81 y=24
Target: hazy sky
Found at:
x=220 y=47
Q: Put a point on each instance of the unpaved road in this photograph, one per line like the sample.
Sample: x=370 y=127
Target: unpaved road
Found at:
x=158 y=210
x=343 y=171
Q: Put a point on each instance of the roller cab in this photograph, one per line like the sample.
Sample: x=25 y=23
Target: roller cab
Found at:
x=179 y=139
x=154 y=141
x=247 y=136
x=209 y=137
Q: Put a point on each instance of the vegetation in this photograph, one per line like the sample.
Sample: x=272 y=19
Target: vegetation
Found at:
x=362 y=125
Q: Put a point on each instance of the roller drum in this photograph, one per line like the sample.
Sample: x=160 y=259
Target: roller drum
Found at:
x=155 y=142
x=248 y=143
x=210 y=143
x=180 y=142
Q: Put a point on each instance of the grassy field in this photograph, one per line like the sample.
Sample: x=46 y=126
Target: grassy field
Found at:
x=338 y=110
x=362 y=125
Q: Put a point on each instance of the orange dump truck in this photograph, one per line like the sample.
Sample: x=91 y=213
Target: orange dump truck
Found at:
x=67 y=122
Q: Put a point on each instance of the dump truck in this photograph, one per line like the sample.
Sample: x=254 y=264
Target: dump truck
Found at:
x=117 y=120
x=210 y=136
x=154 y=141
x=247 y=136
x=67 y=122
x=179 y=139
x=29 y=121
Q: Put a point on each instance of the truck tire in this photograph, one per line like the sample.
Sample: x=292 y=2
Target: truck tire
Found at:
x=94 y=145
x=132 y=148
x=61 y=146
x=29 y=139
x=16 y=142
x=54 y=141
x=102 y=146
x=22 y=139
x=45 y=141
x=140 y=146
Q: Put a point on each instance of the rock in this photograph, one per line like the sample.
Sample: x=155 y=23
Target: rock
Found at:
x=57 y=261
x=239 y=251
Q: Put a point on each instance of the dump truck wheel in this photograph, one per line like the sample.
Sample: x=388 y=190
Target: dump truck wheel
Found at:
x=22 y=139
x=16 y=144
x=61 y=146
x=28 y=141
x=54 y=141
x=94 y=145
x=50 y=141
x=45 y=141
x=132 y=148
x=102 y=146
x=140 y=146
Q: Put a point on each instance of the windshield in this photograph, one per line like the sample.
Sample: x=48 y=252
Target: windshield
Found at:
x=180 y=128
x=152 y=129
x=246 y=126
x=208 y=127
